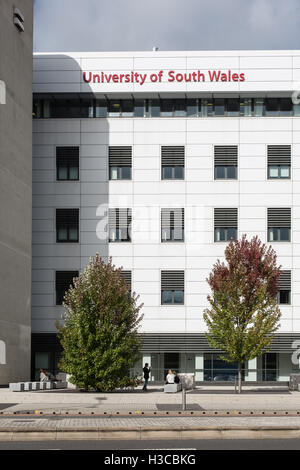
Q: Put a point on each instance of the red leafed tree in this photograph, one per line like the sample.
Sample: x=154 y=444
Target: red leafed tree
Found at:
x=243 y=313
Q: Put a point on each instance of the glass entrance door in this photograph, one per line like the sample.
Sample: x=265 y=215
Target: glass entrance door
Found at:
x=171 y=362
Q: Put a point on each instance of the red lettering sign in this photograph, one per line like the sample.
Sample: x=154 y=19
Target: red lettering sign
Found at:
x=172 y=76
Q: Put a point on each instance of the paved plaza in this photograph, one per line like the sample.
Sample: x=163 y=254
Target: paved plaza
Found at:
x=198 y=400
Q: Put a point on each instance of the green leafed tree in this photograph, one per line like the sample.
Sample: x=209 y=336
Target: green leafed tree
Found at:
x=99 y=333
x=243 y=313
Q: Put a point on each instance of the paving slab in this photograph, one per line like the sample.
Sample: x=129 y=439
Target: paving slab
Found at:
x=201 y=399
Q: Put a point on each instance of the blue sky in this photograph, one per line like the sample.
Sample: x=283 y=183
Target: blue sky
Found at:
x=120 y=25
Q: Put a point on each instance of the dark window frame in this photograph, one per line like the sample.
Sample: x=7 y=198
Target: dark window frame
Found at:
x=279 y=177
x=226 y=234
x=173 y=296
x=226 y=172
x=69 y=164
x=279 y=233
x=68 y=227
x=59 y=292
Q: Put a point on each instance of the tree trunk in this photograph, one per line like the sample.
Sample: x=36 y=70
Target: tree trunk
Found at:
x=240 y=378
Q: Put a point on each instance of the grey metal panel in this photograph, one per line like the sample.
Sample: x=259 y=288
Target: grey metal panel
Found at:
x=197 y=343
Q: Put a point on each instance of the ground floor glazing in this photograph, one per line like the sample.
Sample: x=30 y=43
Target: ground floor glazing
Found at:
x=207 y=366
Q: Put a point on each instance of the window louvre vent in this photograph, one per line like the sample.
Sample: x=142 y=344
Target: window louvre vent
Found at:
x=172 y=218
x=67 y=217
x=119 y=218
x=226 y=155
x=67 y=156
x=279 y=155
x=63 y=280
x=127 y=276
x=279 y=217
x=226 y=217
x=285 y=280
x=172 y=280
x=172 y=156
x=120 y=156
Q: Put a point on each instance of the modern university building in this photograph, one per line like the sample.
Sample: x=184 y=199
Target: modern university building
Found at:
x=157 y=159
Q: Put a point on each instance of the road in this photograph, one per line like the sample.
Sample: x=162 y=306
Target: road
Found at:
x=186 y=445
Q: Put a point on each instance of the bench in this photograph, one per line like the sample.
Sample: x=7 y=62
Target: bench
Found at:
x=172 y=388
x=33 y=386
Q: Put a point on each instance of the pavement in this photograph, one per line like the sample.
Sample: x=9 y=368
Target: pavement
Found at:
x=211 y=413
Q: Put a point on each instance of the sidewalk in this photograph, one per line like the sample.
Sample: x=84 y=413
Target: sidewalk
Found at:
x=202 y=399
x=143 y=428
x=214 y=413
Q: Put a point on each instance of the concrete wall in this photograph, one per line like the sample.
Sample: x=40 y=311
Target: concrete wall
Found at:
x=15 y=190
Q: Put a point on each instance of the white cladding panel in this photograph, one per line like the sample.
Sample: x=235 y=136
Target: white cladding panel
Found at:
x=146 y=194
x=156 y=71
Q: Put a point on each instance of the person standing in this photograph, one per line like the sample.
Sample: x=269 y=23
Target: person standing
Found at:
x=146 y=371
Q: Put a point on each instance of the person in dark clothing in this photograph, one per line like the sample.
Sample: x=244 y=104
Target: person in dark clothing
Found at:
x=176 y=378
x=146 y=371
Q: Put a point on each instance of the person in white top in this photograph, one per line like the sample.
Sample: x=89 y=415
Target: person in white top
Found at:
x=43 y=376
x=170 y=377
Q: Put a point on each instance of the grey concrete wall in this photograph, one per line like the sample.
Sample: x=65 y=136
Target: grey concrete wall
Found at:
x=15 y=190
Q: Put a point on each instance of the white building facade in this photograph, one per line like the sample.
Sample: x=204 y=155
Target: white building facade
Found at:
x=157 y=159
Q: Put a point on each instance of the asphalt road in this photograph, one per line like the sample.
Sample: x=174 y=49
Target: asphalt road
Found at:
x=182 y=445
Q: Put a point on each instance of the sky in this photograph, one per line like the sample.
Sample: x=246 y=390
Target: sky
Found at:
x=134 y=25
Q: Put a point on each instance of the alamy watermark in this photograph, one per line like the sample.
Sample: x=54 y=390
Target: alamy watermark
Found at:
x=296 y=353
x=2 y=92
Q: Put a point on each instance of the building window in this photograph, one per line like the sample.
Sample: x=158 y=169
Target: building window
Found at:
x=192 y=107
x=154 y=108
x=279 y=161
x=63 y=280
x=226 y=160
x=233 y=107
x=172 y=287
x=172 y=225
x=139 y=108
x=83 y=106
x=119 y=221
x=127 y=276
x=284 y=294
x=172 y=161
x=269 y=367
x=114 y=108
x=225 y=224
x=67 y=225
x=67 y=163
x=279 y=224
x=100 y=108
x=120 y=161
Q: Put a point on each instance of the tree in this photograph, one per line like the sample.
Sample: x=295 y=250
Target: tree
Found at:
x=100 y=331
x=243 y=313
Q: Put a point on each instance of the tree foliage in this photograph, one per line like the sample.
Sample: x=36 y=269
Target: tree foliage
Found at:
x=243 y=313
x=100 y=331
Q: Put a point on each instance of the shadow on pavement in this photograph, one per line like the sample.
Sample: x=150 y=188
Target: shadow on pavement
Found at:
x=178 y=407
x=3 y=406
x=244 y=392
